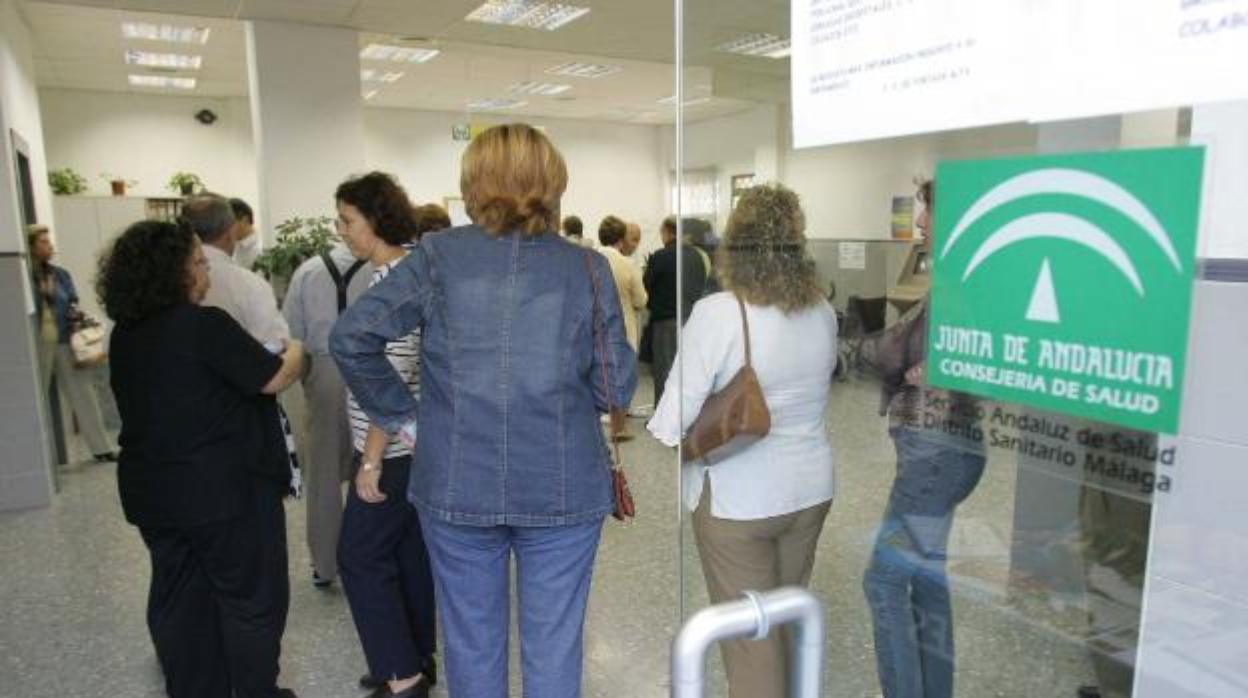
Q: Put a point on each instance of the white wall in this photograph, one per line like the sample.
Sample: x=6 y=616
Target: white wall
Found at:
x=20 y=105
x=147 y=138
x=846 y=190
x=24 y=462
x=612 y=168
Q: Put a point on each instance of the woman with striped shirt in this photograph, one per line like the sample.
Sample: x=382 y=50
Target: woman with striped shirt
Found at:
x=384 y=565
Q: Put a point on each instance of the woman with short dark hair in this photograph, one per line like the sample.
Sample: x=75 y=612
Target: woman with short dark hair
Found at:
x=187 y=380
x=517 y=330
x=758 y=513
x=381 y=551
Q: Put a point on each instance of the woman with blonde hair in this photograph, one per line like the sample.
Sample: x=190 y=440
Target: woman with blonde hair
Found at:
x=757 y=514
x=518 y=329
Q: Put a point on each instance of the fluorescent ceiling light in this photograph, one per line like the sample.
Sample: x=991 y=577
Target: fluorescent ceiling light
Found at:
x=584 y=70
x=370 y=75
x=689 y=101
x=533 y=14
x=398 y=54
x=162 y=81
x=544 y=89
x=496 y=103
x=758 y=44
x=176 y=61
x=165 y=32
x=370 y=94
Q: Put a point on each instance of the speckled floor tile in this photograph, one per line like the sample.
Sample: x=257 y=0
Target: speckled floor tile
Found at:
x=74 y=583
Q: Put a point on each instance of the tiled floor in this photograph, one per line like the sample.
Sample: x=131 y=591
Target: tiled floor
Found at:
x=74 y=582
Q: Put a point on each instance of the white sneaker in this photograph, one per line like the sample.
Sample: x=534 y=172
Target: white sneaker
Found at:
x=641 y=411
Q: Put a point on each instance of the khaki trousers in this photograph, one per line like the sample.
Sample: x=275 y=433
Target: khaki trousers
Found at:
x=757 y=555
x=327 y=461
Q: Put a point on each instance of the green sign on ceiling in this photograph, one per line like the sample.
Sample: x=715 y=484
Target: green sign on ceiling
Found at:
x=1065 y=282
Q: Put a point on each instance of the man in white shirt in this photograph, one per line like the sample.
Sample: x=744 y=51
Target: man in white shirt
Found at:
x=242 y=293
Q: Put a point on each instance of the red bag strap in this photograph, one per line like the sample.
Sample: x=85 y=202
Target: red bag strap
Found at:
x=600 y=348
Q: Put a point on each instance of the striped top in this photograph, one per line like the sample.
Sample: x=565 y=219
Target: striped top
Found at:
x=404 y=355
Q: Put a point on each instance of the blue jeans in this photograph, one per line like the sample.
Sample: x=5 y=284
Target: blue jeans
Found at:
x=905 y=583
x=471 y=571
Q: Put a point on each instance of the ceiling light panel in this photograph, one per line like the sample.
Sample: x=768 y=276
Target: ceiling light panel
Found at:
x=172 y=33
x=175 y=61
x=758 y=44
x=162 y=82
x=542 y=89
x=398 y=54
x=496 y=104
x=533 y=14
x=584 y=70
x=370 y=94
x=370 y=75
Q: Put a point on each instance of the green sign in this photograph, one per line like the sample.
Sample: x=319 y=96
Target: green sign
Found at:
x=1065 y=282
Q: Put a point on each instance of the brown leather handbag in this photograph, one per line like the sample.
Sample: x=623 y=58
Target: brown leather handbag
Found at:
x=625 y=507
x=732 y=419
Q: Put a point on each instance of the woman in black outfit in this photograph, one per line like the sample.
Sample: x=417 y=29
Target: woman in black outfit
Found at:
x=188 y=382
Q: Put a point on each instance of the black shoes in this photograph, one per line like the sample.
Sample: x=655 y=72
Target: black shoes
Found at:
x=1089 y=692
x=106 y=457
x=286 y=693
x=320 y=582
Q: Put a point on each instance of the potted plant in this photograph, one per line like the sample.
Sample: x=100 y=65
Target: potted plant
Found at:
x=66 y=182
x=297 y=240
x=185 y=183
x=119 y=184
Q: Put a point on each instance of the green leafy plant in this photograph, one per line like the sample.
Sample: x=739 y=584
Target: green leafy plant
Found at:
x=297 y=240
x=66 y=182
x=185 y=183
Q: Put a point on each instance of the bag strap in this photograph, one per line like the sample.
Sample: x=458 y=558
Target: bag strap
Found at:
x=341 y=282
x=745 y=325
x=600 y=348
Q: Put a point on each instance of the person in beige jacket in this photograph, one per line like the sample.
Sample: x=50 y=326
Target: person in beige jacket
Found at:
x=619 y=240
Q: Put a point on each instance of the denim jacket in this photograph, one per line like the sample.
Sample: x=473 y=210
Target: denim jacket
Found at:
x=64 y=300
x=511 y=381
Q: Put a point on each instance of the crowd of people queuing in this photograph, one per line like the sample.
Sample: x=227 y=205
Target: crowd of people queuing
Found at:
x=455 y=380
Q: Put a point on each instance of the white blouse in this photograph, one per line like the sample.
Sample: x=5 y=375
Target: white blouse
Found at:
x=794 y=355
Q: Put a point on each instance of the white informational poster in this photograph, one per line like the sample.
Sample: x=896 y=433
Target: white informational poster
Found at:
x=853 y=255
x=1101 y=57
x=866 y=69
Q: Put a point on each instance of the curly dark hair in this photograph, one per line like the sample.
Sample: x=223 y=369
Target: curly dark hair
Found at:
x=763 y=257
x=144 y=270
x=384 y=203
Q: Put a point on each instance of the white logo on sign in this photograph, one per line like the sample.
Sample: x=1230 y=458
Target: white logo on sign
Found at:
x=1060 y=226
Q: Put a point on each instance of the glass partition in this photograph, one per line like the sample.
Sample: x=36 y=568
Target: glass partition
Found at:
x=962 y=546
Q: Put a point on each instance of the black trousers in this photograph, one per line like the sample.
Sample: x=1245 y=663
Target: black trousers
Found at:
x=387 y=578
x=218 y=602
x=664 y=350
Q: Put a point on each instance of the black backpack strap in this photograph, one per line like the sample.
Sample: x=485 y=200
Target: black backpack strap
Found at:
x=341 y=281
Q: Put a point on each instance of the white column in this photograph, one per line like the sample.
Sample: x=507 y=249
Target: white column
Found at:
x=307 y=117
